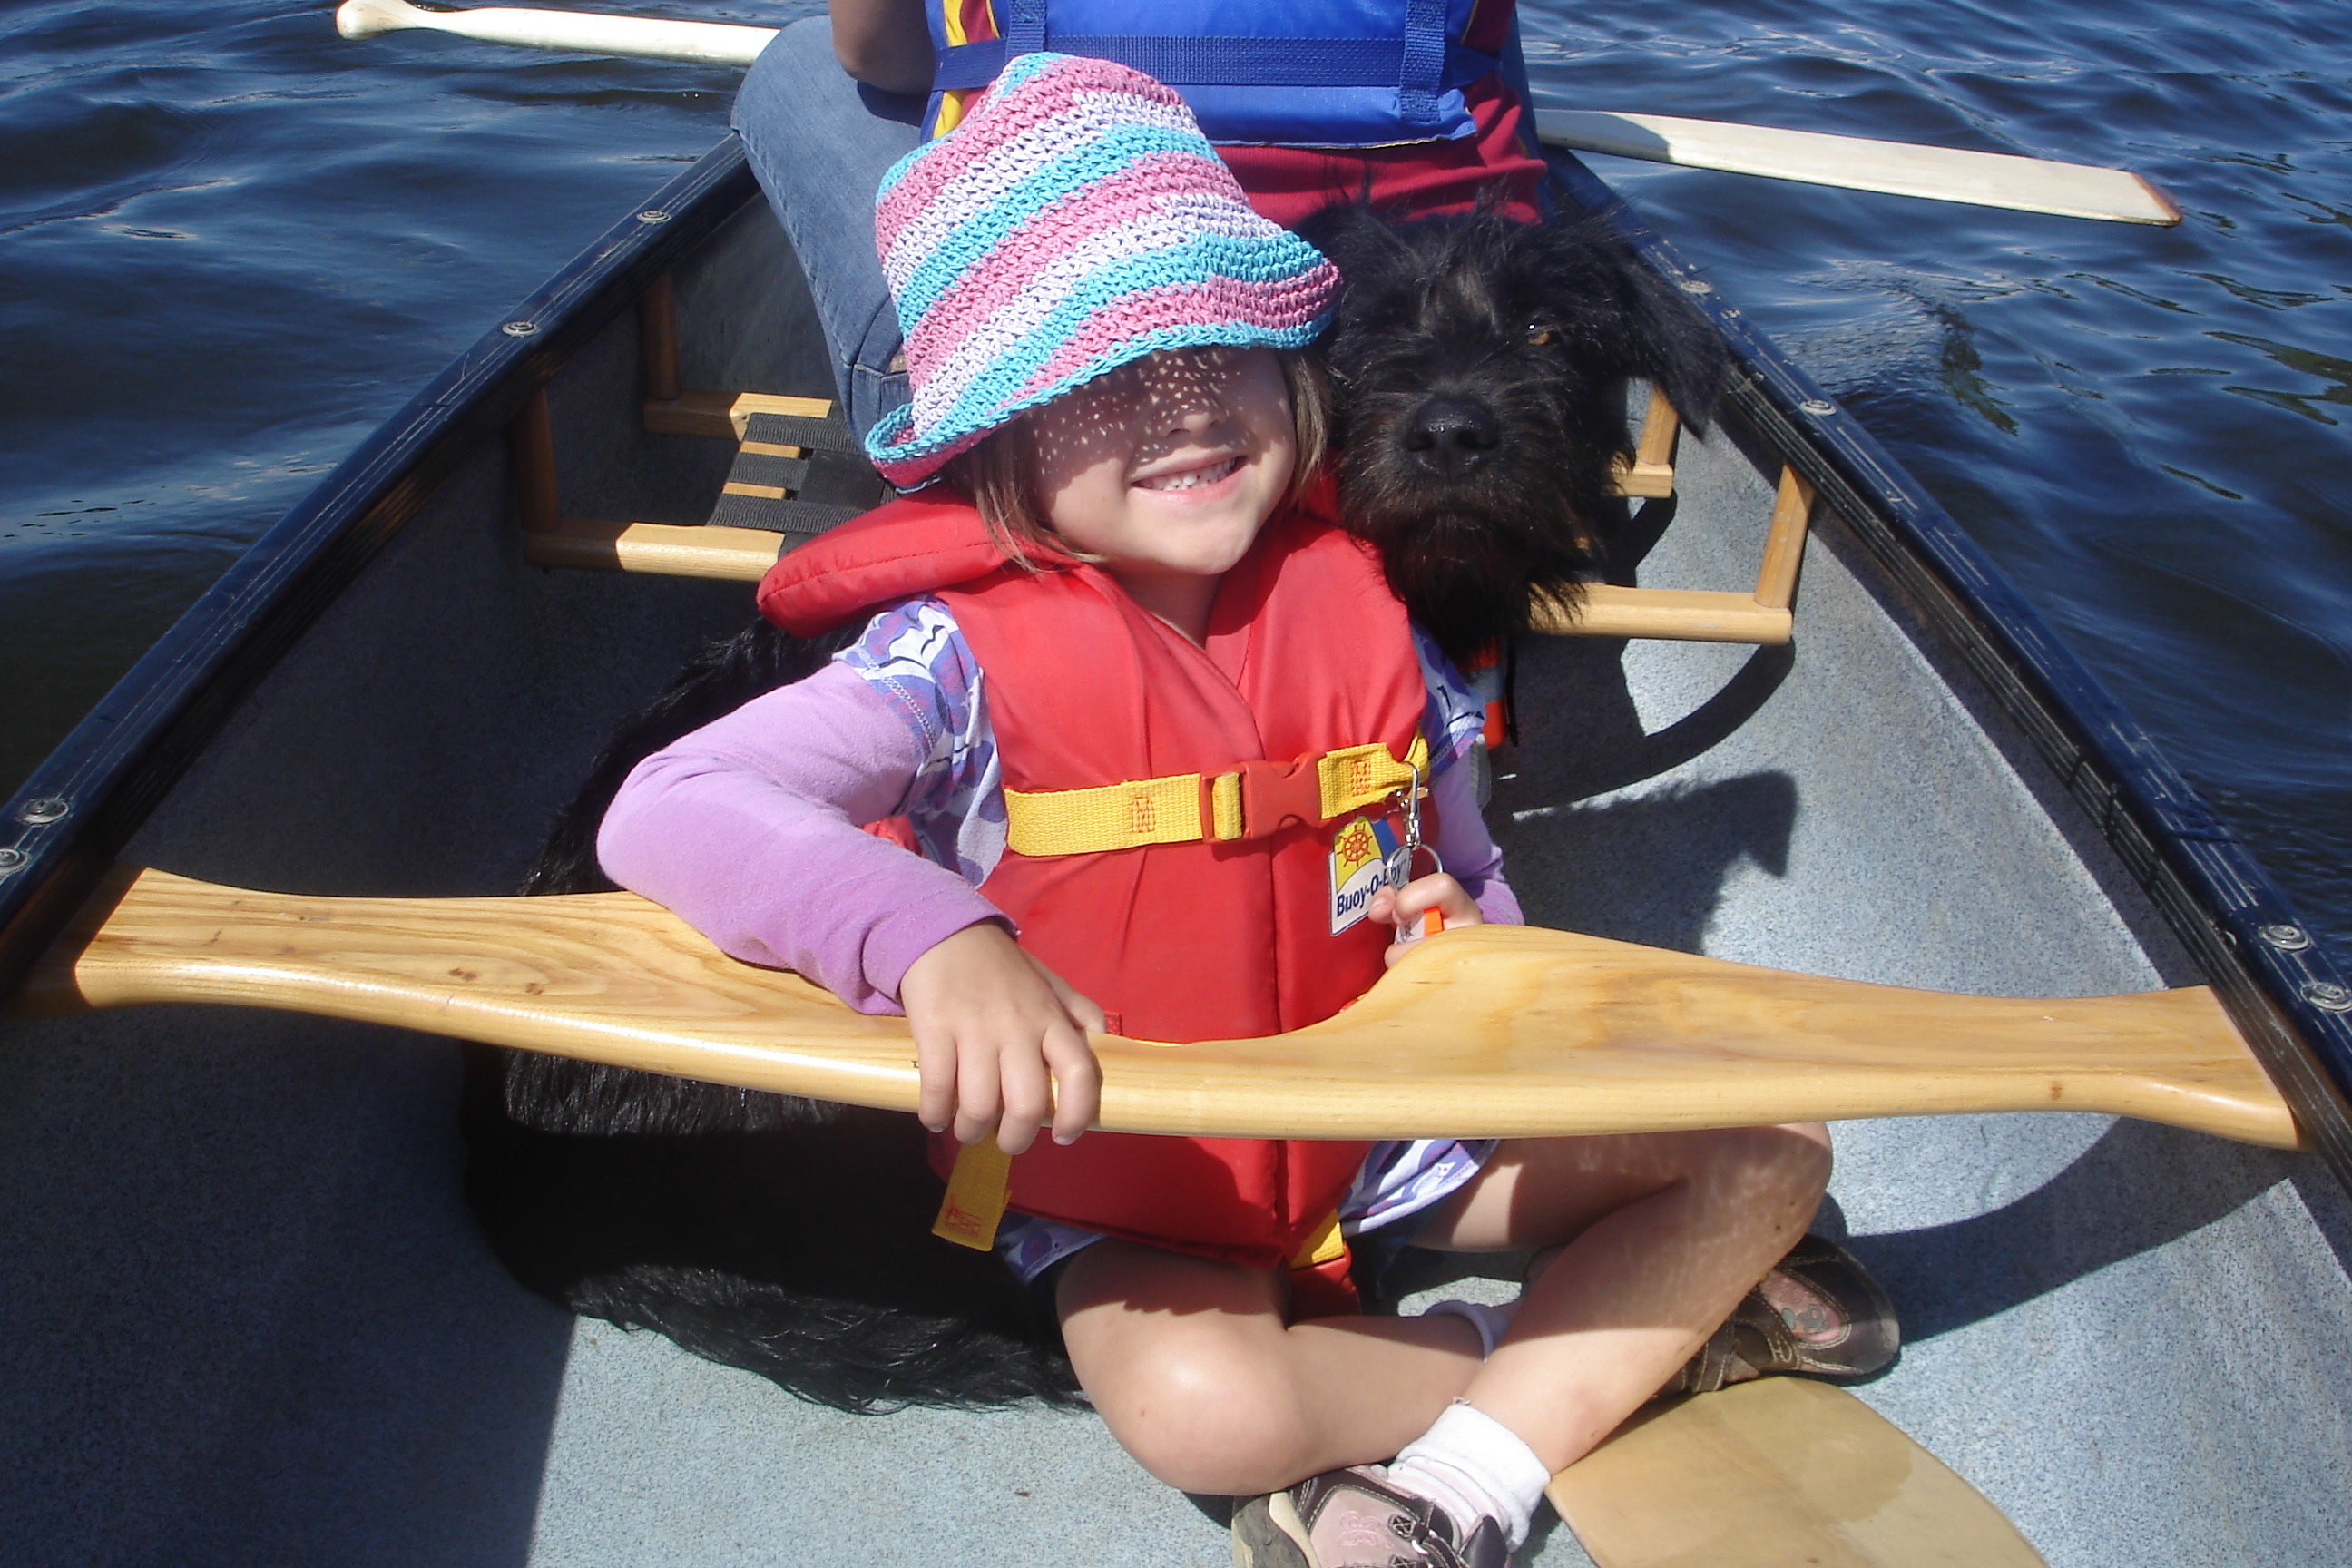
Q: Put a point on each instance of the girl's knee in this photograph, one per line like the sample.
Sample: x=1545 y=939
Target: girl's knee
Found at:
x=1782 y=1166
x=1206 y=1413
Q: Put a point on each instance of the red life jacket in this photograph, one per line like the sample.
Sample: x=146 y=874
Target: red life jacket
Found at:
x=1307 y=652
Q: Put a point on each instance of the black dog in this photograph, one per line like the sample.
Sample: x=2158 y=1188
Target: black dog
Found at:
x=1479 y=369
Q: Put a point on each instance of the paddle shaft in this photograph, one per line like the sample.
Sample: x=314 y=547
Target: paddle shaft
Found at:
x=1487 y=1031
x=1853 y=163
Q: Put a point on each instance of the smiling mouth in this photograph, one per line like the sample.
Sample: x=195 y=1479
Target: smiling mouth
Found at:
x=1192 y=478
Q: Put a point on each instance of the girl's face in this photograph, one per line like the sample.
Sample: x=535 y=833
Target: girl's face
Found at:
x=1167 y=468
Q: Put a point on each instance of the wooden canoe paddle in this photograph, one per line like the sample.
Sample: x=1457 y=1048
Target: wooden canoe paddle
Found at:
x=1486 y=1031
x=1779 y=1473
x=1854 y=163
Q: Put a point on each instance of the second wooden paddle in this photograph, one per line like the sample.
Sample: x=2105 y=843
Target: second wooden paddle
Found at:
x=1779 y=1473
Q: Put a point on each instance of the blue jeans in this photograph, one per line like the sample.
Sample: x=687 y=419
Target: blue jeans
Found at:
x=819 y=142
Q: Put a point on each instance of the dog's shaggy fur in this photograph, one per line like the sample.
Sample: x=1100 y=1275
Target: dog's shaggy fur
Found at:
x=1479 y=370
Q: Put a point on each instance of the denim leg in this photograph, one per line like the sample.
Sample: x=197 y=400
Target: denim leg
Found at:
x=819 y=142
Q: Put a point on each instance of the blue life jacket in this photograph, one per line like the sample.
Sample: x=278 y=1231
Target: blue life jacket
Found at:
x=1299 y=73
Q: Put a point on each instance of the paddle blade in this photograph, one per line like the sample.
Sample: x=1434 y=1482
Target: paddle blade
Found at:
x=1775 y=1473
x=573 y=32
x=1859 y=164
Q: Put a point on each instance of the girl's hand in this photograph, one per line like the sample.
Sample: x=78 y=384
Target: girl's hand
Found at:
x=990 y=1025
x=1405 y=908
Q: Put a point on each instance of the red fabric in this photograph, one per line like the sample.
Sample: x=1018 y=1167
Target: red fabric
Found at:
x=1326 y=1290
x=1417 y=179
x=903 y=547
x=1306 y=651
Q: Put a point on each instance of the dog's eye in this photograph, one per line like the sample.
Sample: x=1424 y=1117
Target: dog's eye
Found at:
x=1541 y=334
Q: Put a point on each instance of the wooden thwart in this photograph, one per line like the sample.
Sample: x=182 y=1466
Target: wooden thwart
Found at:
x=744 y=555
x=729 y=554
x=1704 y=615
x=738 y=554
x=1490 y=1031
x=725 y=416
x=1651 y=474
x=1779 y=1473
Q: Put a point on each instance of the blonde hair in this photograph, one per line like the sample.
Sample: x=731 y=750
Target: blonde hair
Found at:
x=999 y=476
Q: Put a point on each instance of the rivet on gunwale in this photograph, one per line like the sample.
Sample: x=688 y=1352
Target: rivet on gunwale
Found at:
x=12 y=861
x=520 y=329
x=1694 y=285
x=42 y=812
x=653 y=215
x=2286 y=938
x=2326 y=993
x=1818 y=406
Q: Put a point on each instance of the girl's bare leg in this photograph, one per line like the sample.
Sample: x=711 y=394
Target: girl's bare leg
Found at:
x=1664 y=1233
x=1190 y=1364
x=1192 y=1367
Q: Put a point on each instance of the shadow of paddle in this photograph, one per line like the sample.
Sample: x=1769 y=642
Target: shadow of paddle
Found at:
x=2138 y=1188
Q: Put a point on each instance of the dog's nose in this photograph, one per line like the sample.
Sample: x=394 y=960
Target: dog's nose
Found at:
x=1451 y=438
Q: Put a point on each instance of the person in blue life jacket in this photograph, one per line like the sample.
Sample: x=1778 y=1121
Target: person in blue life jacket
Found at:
x=1425 y=109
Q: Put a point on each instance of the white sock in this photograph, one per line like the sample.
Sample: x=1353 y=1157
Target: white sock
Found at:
x=1490 y=1321
x=1470 y=1464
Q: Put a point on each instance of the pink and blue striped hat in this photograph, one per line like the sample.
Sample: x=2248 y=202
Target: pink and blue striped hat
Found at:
x=1075 y=221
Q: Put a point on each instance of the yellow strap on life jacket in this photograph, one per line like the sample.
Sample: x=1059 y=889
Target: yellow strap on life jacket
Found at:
x=974 y=1205
x=1251 y=802
x=1321 y=1247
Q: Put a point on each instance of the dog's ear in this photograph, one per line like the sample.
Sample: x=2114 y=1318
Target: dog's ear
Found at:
x=1638 y=324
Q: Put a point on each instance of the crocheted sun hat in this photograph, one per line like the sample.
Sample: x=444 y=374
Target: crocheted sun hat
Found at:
x=1075 y=221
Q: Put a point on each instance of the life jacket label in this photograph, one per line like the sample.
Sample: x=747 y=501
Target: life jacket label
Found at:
x=1359 y=867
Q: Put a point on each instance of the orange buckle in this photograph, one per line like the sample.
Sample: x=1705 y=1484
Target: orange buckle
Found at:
x=1277 y=795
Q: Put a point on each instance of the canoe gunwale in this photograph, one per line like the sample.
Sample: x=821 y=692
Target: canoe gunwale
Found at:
x=125 y=757
x=118 y=763
x=2204 y=880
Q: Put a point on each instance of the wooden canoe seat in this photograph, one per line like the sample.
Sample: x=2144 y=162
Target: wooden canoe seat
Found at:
x=1490 y=1031
x=797 y=472
x=797 y=476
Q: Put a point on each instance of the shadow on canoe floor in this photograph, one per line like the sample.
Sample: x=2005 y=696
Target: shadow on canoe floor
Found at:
x=2137 y=1189
x=1588 y=739
x=1617 y=754
x=1651 y=869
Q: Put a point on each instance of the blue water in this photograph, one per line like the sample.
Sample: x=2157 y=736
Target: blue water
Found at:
x=231 y=244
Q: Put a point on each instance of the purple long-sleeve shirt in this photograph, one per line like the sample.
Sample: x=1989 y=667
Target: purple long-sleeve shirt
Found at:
x=748 y=830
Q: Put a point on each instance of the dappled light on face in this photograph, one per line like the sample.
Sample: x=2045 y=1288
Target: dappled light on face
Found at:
x=1148 y=409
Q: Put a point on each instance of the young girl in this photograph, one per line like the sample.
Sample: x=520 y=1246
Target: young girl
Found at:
x=1146 y=707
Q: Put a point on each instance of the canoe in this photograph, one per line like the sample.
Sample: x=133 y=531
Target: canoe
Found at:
x=255 y=1322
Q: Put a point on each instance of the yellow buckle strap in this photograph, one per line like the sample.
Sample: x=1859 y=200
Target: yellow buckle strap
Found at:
x=1359 y=776
x=1321 y=1247
x=974 y=1205
x=1251 y=802
x=1109 y=816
